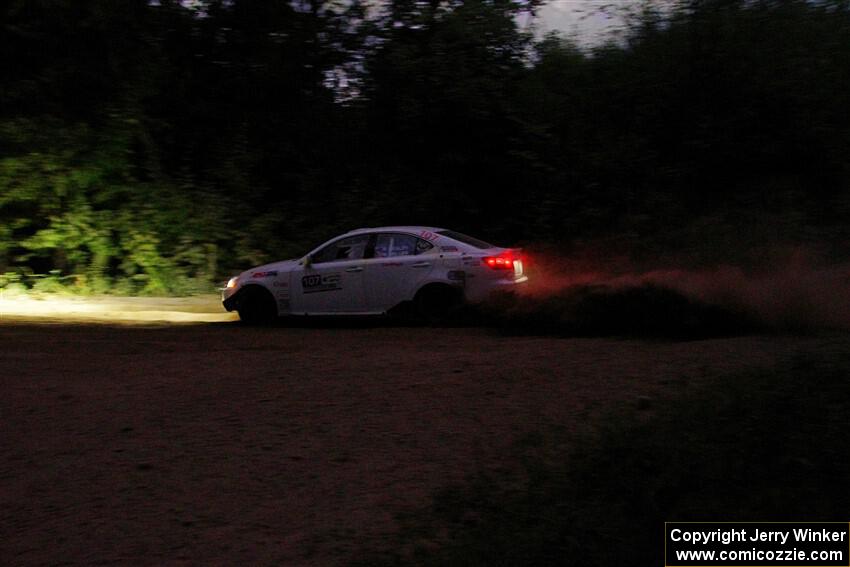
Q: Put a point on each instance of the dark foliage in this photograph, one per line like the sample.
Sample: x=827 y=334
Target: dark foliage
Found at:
x=161 y=146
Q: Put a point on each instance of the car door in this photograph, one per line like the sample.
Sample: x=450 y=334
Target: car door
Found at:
x=333 y=280
x=400 y=264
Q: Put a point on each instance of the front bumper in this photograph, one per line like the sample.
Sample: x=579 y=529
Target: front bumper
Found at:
x=230 y=299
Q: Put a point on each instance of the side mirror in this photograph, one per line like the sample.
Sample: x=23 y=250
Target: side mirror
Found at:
x=308 y=261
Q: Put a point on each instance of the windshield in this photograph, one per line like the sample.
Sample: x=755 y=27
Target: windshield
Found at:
x=474 y=242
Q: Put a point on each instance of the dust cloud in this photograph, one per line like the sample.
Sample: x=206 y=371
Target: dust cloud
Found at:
x=788 y=291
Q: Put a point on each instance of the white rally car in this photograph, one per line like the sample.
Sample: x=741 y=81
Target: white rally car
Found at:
x=373 y=271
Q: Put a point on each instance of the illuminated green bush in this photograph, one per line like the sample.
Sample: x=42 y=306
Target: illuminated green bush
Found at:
x=74 y=209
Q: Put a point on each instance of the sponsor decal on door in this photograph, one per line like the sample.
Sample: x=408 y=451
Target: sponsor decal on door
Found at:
x=315 y=283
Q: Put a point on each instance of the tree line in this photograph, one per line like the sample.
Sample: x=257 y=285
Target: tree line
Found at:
x=155 y=146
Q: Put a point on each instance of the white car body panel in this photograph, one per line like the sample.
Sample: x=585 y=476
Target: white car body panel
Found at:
x=392 y=280
x=374 y=285
x=333 y=287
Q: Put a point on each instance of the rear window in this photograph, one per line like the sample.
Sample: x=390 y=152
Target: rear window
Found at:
x=474 y=242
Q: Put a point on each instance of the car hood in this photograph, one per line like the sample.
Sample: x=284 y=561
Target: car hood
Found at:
x=281 y=266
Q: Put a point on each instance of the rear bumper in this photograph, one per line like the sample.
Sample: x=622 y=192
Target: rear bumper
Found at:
x=479 y=292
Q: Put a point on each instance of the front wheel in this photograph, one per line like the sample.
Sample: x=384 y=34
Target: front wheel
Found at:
x=257 y=307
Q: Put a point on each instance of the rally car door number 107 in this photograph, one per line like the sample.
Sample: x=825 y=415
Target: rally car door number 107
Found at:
x=314 y=283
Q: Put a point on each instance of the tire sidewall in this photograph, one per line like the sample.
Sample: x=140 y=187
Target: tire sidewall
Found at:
x=257 y=307
x=437 y=304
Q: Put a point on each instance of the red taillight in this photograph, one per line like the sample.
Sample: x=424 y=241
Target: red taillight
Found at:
x=501 y=262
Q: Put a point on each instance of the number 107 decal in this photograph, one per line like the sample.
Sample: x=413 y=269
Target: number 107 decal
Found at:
x=315 y=283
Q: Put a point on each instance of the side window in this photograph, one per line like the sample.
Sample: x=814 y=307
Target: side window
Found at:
x=423 y=246
x=351 y=248
x=390 y=245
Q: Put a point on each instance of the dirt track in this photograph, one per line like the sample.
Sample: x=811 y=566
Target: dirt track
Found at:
x=223 y=445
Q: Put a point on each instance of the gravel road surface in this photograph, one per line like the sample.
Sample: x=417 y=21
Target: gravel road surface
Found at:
x=217 y=444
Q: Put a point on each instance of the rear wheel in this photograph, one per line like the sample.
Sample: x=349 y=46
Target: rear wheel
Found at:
x=437 y=303
x=257 y=307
